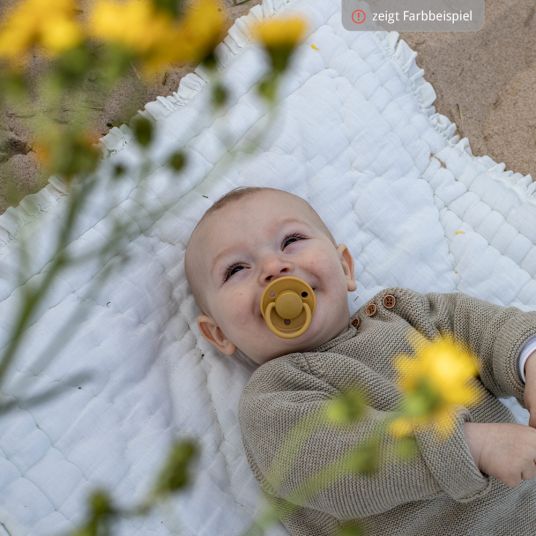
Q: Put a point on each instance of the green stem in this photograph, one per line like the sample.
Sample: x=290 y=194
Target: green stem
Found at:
x=34 y=296
x=316 y=482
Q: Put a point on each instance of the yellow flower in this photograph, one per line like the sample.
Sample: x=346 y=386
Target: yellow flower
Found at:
x=279 y=32
x=59 y=34
x=197 y=33
x=279 y=37
x=434 y=381
x=134 y=24
x=49 y=24
x=441 y=420
x=155 y=35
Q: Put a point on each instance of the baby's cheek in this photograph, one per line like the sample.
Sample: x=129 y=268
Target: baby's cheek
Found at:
x=326 y=265
x=317 y=263
x=241 y=309
x=241 y=318
x=245 y=329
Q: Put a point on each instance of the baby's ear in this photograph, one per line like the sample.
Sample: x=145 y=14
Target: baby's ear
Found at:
x=347 y=262
x=214 y=335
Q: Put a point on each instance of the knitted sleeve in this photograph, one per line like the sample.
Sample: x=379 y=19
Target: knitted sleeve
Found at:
x=282 y=395
x=494 y=333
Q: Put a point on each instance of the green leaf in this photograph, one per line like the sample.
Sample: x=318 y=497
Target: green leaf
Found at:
x=177 y=161
x=406 y=448
x=73 y=65
x=12 y=84
x=174 y=475
x=280 y=57
x=119 y=170
x=143 y=130
x=346 y=408
x=100 y=504
x=90 y=529
x=74 y=154
x=220 y=95
x=210 y=61
x=267 y=88
x=365 y=459
x=350 y=529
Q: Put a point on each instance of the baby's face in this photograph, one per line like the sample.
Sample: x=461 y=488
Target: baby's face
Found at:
x=243 y=246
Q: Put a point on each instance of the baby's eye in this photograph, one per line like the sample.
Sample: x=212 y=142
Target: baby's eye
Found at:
x=294 y=237
x=231 y=270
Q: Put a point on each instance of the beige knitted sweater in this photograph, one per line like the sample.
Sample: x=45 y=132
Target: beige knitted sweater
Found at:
x=441 y=490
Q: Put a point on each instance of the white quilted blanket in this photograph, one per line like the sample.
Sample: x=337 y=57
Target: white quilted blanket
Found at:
x=358 y=136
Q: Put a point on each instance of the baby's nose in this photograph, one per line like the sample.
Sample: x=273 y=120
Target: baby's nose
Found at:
x=274 y=267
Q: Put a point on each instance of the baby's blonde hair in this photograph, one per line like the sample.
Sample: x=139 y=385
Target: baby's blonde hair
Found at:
x=243 y=191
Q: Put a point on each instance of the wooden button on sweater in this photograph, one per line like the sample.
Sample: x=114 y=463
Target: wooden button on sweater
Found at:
x=389 y=301
x=371 y=309
x=356 y=322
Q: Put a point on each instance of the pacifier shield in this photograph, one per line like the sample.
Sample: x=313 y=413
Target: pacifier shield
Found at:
x=287 y=306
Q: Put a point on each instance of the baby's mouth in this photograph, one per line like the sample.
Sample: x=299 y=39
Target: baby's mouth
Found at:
x=288 y=307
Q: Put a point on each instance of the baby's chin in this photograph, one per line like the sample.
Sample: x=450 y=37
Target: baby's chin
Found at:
x=281 y=347
x=317 y=334
x=320 y=331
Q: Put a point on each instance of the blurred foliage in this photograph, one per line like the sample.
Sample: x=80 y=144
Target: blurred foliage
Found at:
x=174 y=476
x=433 y=383
x=48 y=48
x=67 y=41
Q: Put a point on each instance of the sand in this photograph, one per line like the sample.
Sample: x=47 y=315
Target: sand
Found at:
x=484 y=82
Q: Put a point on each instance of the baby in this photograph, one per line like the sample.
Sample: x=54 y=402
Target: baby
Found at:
x=479 y=481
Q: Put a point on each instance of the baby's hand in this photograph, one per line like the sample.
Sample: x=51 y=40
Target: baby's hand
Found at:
x=503 y=450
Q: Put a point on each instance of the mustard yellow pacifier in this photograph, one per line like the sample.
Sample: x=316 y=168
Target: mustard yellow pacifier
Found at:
x=287 y=306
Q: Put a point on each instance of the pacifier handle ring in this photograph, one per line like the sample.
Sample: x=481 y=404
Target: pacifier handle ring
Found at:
x=282 y=334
